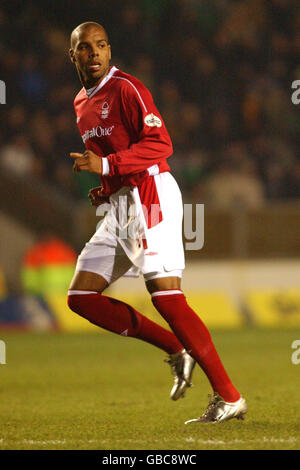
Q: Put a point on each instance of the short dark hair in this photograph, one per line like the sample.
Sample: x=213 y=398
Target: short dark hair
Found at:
x=84 y=26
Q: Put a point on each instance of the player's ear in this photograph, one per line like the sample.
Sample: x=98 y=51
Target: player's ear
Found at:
x=72 y=56
x=109 y=52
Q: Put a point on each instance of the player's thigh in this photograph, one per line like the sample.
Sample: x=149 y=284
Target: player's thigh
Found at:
x=85 y=280
x=101 y=262
x=163 y=283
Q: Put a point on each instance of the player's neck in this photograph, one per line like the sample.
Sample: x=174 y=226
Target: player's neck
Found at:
x=90 y=84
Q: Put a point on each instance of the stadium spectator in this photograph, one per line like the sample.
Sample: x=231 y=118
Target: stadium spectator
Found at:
x=231 y=187
x=17 y=157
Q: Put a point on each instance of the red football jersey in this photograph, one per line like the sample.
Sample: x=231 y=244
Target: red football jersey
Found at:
x=119 y=120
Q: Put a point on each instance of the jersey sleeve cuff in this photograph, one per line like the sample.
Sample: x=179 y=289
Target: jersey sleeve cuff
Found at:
x=105 y=166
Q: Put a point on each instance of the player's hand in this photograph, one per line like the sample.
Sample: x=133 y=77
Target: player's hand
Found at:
x=87 y=161
x=96 y=196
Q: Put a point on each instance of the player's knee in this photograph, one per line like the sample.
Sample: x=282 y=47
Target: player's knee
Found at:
x=84 y=305
x=78 y=304
x=73 y=303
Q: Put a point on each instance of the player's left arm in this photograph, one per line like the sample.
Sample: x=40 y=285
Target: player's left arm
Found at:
x=153 y=142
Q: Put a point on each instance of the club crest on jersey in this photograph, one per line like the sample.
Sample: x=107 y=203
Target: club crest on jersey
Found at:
x=105 y=110
x=152 y=121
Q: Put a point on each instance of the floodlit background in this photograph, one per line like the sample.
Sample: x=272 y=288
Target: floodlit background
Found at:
x=221 y=74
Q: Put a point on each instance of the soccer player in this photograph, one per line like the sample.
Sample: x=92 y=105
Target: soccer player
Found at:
x=127 y=145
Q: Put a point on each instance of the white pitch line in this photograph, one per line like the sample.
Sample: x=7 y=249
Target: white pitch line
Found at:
x=57 y=442
x=207 y=442
x=266 y=440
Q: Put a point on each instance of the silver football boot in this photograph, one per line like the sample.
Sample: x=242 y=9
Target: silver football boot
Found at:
x=182 y=366
x=219 y=410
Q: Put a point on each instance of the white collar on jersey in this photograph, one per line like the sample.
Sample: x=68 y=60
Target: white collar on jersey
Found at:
x=92 y=91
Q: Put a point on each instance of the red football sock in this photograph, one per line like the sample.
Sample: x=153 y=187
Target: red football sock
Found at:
x=195 y=337
x=120 y=318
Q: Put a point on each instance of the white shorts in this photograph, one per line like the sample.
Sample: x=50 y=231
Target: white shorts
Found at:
x=140 y=234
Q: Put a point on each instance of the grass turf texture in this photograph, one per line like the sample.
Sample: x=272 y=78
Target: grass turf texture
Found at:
x=94 y=391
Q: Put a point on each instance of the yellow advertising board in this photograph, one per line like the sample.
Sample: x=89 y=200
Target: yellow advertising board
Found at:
x=274 y=307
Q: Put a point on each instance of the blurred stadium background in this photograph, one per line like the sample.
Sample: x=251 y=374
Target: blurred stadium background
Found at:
x=220 y=72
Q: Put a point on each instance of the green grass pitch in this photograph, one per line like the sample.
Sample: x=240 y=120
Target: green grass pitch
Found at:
x=101 y=391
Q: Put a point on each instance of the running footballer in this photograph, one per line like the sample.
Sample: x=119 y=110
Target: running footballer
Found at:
x=127 y=145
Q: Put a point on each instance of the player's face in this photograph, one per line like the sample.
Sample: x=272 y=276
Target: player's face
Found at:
x=91 y=55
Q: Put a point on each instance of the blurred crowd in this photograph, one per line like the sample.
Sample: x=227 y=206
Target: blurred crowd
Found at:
x=220 y=72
